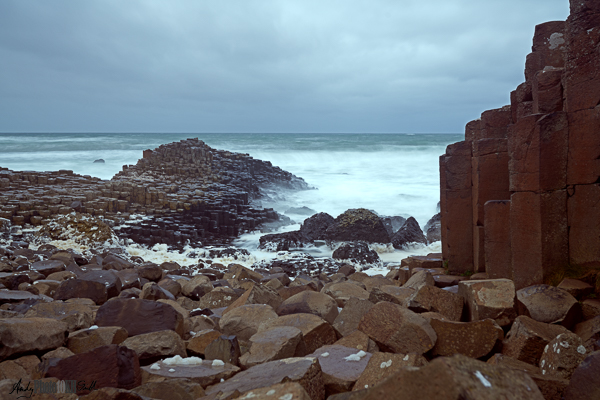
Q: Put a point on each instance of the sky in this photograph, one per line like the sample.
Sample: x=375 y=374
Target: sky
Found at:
x=383 y=66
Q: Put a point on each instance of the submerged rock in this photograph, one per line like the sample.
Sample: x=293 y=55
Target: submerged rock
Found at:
x=358 y=254
x=358 y=224
x=410 y=232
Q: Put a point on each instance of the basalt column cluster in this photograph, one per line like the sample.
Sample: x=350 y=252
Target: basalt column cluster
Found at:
x=520 y=196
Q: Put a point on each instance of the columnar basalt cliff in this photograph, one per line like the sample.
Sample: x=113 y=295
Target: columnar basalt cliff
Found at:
x=520 y=195
x=192 y=191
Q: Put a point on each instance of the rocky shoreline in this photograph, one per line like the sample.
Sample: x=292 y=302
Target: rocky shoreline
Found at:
x=494 y=316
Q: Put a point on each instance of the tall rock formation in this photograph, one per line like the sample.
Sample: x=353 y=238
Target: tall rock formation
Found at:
x=520 y=196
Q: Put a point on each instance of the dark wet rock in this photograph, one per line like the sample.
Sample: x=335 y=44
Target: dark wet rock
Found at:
x=410 y=232
x=357 y=253
x=302 y=264
x=283 y=241
x=433 y=228
x=358 y=224
x=392 y=224
x=300 y=211
x=99 y=161
x=22 y=335
x=315 y=227
x=79 y=288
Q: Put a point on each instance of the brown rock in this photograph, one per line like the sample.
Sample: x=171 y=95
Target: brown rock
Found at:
x=198 y=323
x=421 y=278
x=110 y=393
x=584 y=382
x=288 y=292
x=61 y=352
x=129 y=279
x=224 y=348
x=173 y=389
x=431 y=298
x=156 y=345
x=358 y=340
x=341 y=367
x=575 y=287
x=287 y=391
x=562 y=355
x=150 y=271
x=590 y=308
x=311 y=303
x=342 y=291
x=303 y=370
x=139 y=316
x=398 y=330
x=391 y=293
x=348 y=319
x=79 y=288
x=85 y=340
x=151 y=291
x=197 y=344
x=15 y=296
x=204 y=373
x=502 y=359
x=456 y=377
x=48 y=267
x=243 y=321
x=196 y=287
x=273 y=344
x=373 y=282
x=444 y=281
x=316 y=331
x=527 y=338
x=549 y=304
x=108 y=366
x=110 y=279
x=219 y=297
x=589 y=332
x=171 y=286
x=383 y=365
x=257 y=294
x=491 y=298
x=76 y=316
x=472 y=339
x=20 y=335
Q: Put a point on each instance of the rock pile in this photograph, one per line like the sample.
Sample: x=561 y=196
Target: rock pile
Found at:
x=190 y=192
x=111 y=327
x=519 y=194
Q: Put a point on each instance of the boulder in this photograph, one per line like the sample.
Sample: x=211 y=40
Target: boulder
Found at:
x=315 y=227
x=590 y=308
x=48 y=267
x=85 y=340
x=286 y=391
x=489 y=298
x=454 y=378
x=196 y=287
x=283 y=241
x=218 y=297
x=584 y=382
x=76 y=316
x=341 y=292
x=244 y=321
x=397 y=329
x=312 y=303
x=152 y=291
x=273 y=344
x=392 y=224
x=223 y=348
x=472 y=339
x=316 y=331
x=391 y=293
x=113 y=261
x=430 y=298
x=410 y=232
x=192 y=369
x=433 y=228
x=382 y=365
x=153 y=346
x=172 y=389
x=576 y=288
x=548 y=304
x=358 y=340
x=340 y=366
x=589 y=332
x=79 y=288
x=139 y=316
x=419 y=279
x=107 y=366
x=257 y=294
x=150 y=271
x=303 y=370
x=22 y=335
x=196 y=345
x=562 y=355
x=109 y=278
x=527 y=339
x=358 y=254
x=349 y=318
x=358 y=225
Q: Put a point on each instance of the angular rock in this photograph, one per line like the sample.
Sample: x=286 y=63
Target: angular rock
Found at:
x=110 y=279
x=472 y=339
x=315 y=227
x=590 y=308
x=224 y=348
x=303 y=370
x=61 y=352
x=527 y=339
x=382 y=365
x=76 y=316
x=108 y=366
x=341 y=292
x=397 y=330
x=316 y=331
x=217 y=298
x=139 y=316
x=88 y=339
x=171 y=286
x=421 y=278
x=150 y=271
x=48 y=267
x=391 y=293
x=283 y=241
x=152 y=291
x=584 y=382
x=454 y=378
x=410 y=232
x=357 y=253
x=589 y=332
x=273 y=344
x=311 y=303
x=548 y=304
x=257 y=294
x=153 y=346
x=197 y=287
x=16 y=296
x=79 y=288
x=244 y=321
x=356 y=225
x=562 y=355
x=198 y=371
x=287 y=391
x=173 y=389
x=358 y=340
x=576 y=288
x=196 y=345
x=489 y=298
x=431 y=298
x=341 y=366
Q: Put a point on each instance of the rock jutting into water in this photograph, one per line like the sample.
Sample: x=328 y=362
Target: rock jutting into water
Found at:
x=191 y=192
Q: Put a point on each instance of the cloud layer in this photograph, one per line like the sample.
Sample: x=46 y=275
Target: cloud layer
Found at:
x=261 y=66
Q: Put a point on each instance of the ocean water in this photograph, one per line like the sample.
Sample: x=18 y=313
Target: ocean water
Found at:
x=391 y=174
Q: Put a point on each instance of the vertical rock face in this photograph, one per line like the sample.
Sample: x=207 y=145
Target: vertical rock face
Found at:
x=537 y=163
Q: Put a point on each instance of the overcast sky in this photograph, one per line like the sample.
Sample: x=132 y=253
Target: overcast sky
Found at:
x=407 y=66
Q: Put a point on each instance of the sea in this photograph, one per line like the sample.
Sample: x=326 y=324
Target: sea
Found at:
x=391 y=174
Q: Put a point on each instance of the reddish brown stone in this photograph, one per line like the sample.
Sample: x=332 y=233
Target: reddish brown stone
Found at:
x=472 y=339
x=584 y=229
x=139 y=316
x=224 y=348
x=584 y=147
x=492 y=298
x=108 y=366
x=494 y=123
x=526 y=239
x=431 y=298
x=547 y=90
x=341 y=366
x=243 y=321
x=203 y=372
x=497 y=239
x=562 y=355
x=589 y=331
x=549 y=304
x=273 y=344
x=198 y=343
x=78 y=288
x=348 y=319
x=88 y=339
x=312 y=303
x=584 y=382
x=316 y=331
